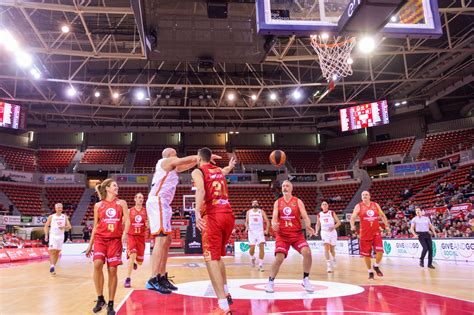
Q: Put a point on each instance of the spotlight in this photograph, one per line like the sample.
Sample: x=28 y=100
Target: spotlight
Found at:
x=35 y=73
x=201 y=97
x=65 y=29
x=397 y=104
x=71 y=91
x=167 y=96
x=366 y=45
x=97 y=94
x=24 y=59
x=231 y=96
x=350 y=61
x=404 y=102
x=7 y=39
x=394 y=19
x=334 y=77
x=273 y=96
x=296 y=94
x=140 y=95
x=115 y=95
x=236 y=132
x=253 y=97
x=325 y=36
x=209 y=97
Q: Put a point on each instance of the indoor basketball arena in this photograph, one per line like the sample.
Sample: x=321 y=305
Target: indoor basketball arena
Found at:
x=236 y=157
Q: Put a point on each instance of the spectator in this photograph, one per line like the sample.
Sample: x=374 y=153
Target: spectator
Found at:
x=86 y=236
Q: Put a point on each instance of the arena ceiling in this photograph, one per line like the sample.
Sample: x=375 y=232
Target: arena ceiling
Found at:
x=104 y=53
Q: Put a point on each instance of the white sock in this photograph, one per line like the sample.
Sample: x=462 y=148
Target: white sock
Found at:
x=370 y=270
x=226 y=289
x=52 y=265
x=223 y=304
x=260 y=262
x=376 y=265
x=252 y=256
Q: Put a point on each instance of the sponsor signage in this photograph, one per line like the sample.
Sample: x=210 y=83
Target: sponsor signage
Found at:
x=193 y=243
x=368 y=162
x=342 y=247
x=59 y=178
x=443 y=249
x=39 y=220
x=179 y=222
x=11 y=219
x=132 y=179
x=412 y=168
x=26 y=219
x=460 y=210
x=18 y=176
x=338 y=176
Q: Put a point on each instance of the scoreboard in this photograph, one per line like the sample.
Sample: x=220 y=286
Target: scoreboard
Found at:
x=364 y=116
x=12 y=116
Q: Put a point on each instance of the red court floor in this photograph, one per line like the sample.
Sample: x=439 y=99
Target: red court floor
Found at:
x=377 y=299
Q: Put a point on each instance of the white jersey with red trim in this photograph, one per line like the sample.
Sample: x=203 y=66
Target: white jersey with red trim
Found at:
x=164 y=183
x=326 y=220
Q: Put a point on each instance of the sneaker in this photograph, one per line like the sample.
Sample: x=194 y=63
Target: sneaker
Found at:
x=128 y=283
x=378 y=271
x=422 y=264
x=371 y=276
x=99 y=306
x=307 y=285
x=229 y=299
x=52 y=271
x=260 y=268
x=329 y=268
x=110 y=310
x=155 y=285
x=220 y=311
x=270 y=288
x=253 y=261
x=165 y=281
x=431 y=267
x=135 y=266
x=334 y=262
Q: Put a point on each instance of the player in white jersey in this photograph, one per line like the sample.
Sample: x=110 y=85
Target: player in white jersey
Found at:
x=328 y=222
x=59 y=223
x=159 y=211
x=254 y=221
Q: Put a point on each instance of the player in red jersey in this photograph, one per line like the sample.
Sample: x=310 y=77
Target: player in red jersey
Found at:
x=215 y=219
x=136 y=237
x=370 y=238
x=111 y=224
x=286 y=222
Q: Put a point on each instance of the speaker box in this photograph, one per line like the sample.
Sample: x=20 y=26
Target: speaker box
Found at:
x=217 y=9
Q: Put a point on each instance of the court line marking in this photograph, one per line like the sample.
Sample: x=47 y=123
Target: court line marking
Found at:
x=426 y=292
x=332 y=311
x=124 y=300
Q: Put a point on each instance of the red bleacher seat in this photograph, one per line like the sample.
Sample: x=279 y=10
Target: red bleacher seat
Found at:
x=339 y=159
x=104 y=156
x=64 y=195
x=18 y=158
x=390 y=147
x=27 y=199
x=441 y=144
x=52 y=161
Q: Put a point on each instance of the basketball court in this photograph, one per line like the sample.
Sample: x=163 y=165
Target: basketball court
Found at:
x=117 y=75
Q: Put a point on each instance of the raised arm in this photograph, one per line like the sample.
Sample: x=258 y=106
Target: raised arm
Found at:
x=179 y=164
x=306 y=219
x=200 y=195
x=354 y=215
x=46 y=228
x=226 y=170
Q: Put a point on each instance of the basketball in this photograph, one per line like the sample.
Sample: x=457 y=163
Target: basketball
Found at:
x=278 y=158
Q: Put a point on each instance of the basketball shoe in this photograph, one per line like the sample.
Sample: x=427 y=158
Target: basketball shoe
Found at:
x=155 y=284
x=220 y=311
x=307 y=285
x=270 y=288
x=167 y=284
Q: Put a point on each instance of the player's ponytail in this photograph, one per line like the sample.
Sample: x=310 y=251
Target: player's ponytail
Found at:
x=101 y=188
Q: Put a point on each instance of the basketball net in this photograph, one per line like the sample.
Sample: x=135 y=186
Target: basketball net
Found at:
x=334 y=55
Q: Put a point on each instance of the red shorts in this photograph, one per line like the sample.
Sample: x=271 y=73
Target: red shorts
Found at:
x=108 y=250
x=219 y=227
x=283 y=243
x=136 y=245
x=366 y=246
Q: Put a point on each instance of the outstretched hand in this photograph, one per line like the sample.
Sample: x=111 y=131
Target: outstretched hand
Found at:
x=215 y=157
x=232 y=162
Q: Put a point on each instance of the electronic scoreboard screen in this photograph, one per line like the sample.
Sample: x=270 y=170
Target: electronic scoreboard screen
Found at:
x=364 y=116
x=12 y=116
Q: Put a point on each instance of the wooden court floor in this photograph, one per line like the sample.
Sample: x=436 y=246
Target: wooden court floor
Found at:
x=29 y=289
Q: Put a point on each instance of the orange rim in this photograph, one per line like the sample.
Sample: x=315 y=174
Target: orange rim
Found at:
x=315 y=42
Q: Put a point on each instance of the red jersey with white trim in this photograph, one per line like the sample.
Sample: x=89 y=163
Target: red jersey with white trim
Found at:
x=137 y=221
x=369 y=220
x=110 y=219
x=216 y=199
x=289 y=216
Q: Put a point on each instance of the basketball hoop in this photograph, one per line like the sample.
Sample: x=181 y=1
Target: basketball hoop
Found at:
x=334 y=55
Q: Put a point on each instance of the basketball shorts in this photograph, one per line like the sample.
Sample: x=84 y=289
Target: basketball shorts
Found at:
x=108 y=250
x=159 y=215
x=283 y=243
x=329 y=237
x=136 y=245
x=366 y=246
x=215 y=236
x=56 y=242
x=256 y=237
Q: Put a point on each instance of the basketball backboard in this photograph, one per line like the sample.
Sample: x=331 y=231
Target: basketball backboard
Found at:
x=418 y=18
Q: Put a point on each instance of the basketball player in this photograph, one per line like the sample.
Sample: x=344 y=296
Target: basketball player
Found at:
x=111 y=224
x=136 y=237
x=158 y=207
x=215 y=219
x=254 y=226
x=370 y=237
x=328 y=222
x=59 y=224
x=286 y=222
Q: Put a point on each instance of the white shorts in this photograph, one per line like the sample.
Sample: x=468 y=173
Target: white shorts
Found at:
x=56 y=242
x=329 y=237
x=256 y=238
x=159 y=215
